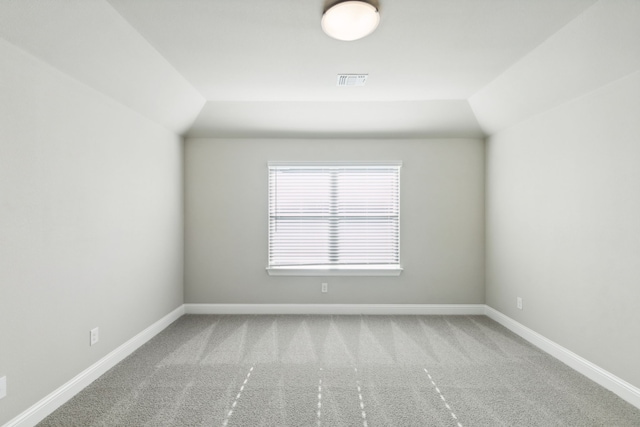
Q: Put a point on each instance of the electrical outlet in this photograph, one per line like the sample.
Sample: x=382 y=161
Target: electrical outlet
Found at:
x=3 y=387
x=325 y=287
x=94 y=336
x=519 y=303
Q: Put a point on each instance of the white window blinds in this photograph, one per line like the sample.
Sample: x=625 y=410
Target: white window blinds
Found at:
x=334 y=215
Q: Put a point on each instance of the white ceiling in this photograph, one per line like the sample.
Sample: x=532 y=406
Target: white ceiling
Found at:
x=265 y=68
x=257 y=50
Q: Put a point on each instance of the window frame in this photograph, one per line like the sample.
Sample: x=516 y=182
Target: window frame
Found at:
x=333 y=269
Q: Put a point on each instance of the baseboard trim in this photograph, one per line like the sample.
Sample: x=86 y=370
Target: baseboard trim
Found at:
x=57 y=398
x=595 y=373
x=372 y=309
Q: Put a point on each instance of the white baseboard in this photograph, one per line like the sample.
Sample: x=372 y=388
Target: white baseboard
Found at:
x=53 y=401
x=373 y=309
x=606 y=379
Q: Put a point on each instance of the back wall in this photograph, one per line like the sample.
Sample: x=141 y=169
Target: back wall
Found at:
x=442 y=222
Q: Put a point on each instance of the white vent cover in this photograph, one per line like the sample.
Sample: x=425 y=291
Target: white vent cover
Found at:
x=352 y=79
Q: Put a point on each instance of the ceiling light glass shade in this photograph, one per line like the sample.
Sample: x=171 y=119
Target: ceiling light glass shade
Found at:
x=350 y=20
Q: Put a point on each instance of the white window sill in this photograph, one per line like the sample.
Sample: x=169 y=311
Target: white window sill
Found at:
x=354 y=270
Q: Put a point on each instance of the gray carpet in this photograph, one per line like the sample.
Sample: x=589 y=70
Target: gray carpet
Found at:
x=342 y=371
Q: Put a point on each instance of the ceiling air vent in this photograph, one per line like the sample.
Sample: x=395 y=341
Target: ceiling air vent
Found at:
x=352 y=79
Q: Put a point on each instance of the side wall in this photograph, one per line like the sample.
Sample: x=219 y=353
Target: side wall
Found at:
x=563 y=225
x=90 y=226
x=442 y=222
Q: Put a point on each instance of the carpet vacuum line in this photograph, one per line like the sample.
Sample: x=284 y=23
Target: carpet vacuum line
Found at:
x=235 y=402
x=443 y=399
x=320 y=397
x=364 y=414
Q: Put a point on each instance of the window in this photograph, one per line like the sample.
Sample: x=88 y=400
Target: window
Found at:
x=334 y=218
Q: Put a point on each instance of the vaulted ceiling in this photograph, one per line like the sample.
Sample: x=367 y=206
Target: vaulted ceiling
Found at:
x=265 y=68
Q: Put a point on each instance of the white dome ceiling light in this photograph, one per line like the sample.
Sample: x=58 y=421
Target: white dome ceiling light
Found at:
x=350 y=20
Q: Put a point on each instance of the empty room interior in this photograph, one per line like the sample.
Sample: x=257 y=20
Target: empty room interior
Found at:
x=164 y=261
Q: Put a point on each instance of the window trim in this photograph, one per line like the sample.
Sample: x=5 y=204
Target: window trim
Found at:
x=336 y=270
x=391 y=270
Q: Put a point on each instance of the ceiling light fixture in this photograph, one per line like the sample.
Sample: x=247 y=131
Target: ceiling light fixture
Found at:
x=350 y=20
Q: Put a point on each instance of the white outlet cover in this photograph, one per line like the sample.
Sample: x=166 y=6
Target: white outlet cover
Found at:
x=94 y=337
x=3 y=387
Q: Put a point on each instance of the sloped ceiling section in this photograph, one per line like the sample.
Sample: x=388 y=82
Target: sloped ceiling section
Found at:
x=91 y=42
x=400 y=119
x=600 y=46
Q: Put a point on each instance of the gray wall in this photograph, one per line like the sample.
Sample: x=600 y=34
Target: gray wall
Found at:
x=442 y=222
x=563 y=220
x=90 y=226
